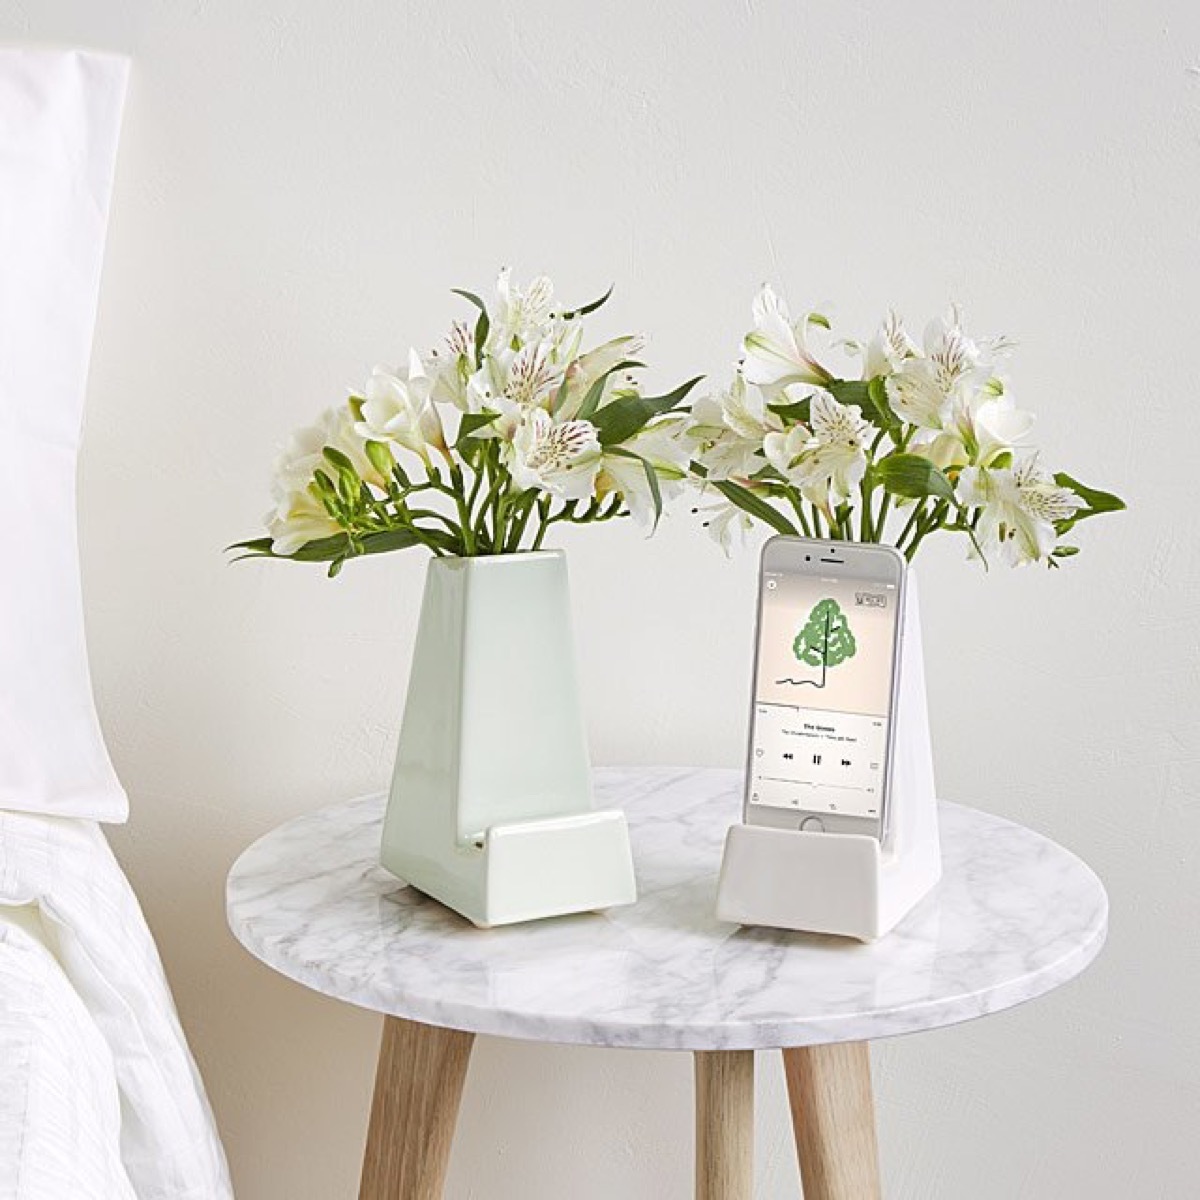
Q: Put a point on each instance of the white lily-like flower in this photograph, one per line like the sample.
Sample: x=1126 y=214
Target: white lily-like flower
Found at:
x=784 y=450
x=304 y=453
x=298 y=516
x=1018 y=506
x=726 y=524
x=454 y=365
x=584 y=371
x=561 y=459
x=744 y=410
x=723 y=453
x=829 y=459
x=398 y=408
x=528 y=376
x=776 y=349
x=923 y=389
x=522 y=314
x=981 y=427
x=658 y=444
x=888 y=349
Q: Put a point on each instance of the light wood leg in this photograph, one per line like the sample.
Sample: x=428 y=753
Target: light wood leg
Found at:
x=418 y=1084
x=834 y=1117
x=724 y=1124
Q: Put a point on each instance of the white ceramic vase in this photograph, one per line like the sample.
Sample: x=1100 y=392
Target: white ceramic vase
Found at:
x=490 y=809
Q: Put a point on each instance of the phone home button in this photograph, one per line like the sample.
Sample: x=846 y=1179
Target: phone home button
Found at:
x=812 y=825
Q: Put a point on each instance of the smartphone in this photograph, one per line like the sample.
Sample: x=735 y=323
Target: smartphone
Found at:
x=827 y=648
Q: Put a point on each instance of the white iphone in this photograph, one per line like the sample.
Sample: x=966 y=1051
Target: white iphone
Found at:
x=825 y=676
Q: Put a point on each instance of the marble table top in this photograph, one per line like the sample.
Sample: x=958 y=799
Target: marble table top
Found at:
x=1015 y=916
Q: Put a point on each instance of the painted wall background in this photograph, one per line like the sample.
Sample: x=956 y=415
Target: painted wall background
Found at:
x=300 y=184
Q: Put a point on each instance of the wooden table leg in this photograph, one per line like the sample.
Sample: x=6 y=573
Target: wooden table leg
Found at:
x=834 y=1118
x=418 y=1084
x=724 y=1124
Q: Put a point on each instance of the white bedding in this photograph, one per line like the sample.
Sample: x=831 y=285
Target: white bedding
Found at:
x=99 y=1095
x=60 y=1113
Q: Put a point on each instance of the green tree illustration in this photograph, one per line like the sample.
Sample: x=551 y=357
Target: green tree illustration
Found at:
x=825 y=641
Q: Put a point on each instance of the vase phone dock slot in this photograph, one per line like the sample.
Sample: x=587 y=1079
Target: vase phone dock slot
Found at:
x=847 y=883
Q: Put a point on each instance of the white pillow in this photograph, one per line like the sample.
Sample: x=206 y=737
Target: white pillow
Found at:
x=60 y=114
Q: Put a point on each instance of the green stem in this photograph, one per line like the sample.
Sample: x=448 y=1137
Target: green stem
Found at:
x=881 y=516
x=918 y=507
x=520 y=520
x=546 y=519
x=935 y=520
x=466 y=533
x=864 y=516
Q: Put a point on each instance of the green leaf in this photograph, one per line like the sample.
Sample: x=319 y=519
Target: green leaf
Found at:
x=877 y=394
x=620 y=419
x=768 y=474
x=592 y=400
x=913 y=477
x=1096 y=500
x=1065 y=551
x=797 y=411
x=474 y=299
x=471 y=422
x=254 y=548
x=748 y=502
x=387 y=540
x=870 y=396
x=851 y=391
x=340 y=546
x=482 y=326
x=651 y=479
x=591 y=308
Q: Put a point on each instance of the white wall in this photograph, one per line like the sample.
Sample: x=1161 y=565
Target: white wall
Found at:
x=300 y=184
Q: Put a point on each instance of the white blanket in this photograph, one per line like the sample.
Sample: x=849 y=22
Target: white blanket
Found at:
x=99 y=1096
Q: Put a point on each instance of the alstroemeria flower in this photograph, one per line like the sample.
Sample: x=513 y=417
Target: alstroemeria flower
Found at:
x=980 y=428
x=723 y=453
x=783 y=450
x=744 y=410
x=561 y=459
x=923 y=389
x=454 y=366
x=521 y=314
x=776 y=349
x=1018 y=508
x=659 y=445
x=726 y=524
x=888 y=349
x=585 y=370
x=832 y=460
x=529 y=376
x=398 y=408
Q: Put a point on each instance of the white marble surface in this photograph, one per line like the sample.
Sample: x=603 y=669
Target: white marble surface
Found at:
x=1015 y=916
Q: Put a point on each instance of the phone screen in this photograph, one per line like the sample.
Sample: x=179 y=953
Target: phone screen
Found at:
x=822 y=701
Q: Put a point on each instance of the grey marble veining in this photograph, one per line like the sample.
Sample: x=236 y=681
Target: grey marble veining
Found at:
x=1015 y=916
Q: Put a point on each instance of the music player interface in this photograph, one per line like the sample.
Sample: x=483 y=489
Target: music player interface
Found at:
x=822 y=696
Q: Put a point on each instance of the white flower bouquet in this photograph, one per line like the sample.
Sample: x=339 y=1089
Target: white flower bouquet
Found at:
x=927 y=438
x=480 y=447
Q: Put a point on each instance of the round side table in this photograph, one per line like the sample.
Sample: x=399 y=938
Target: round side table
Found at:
x=1014 y=916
